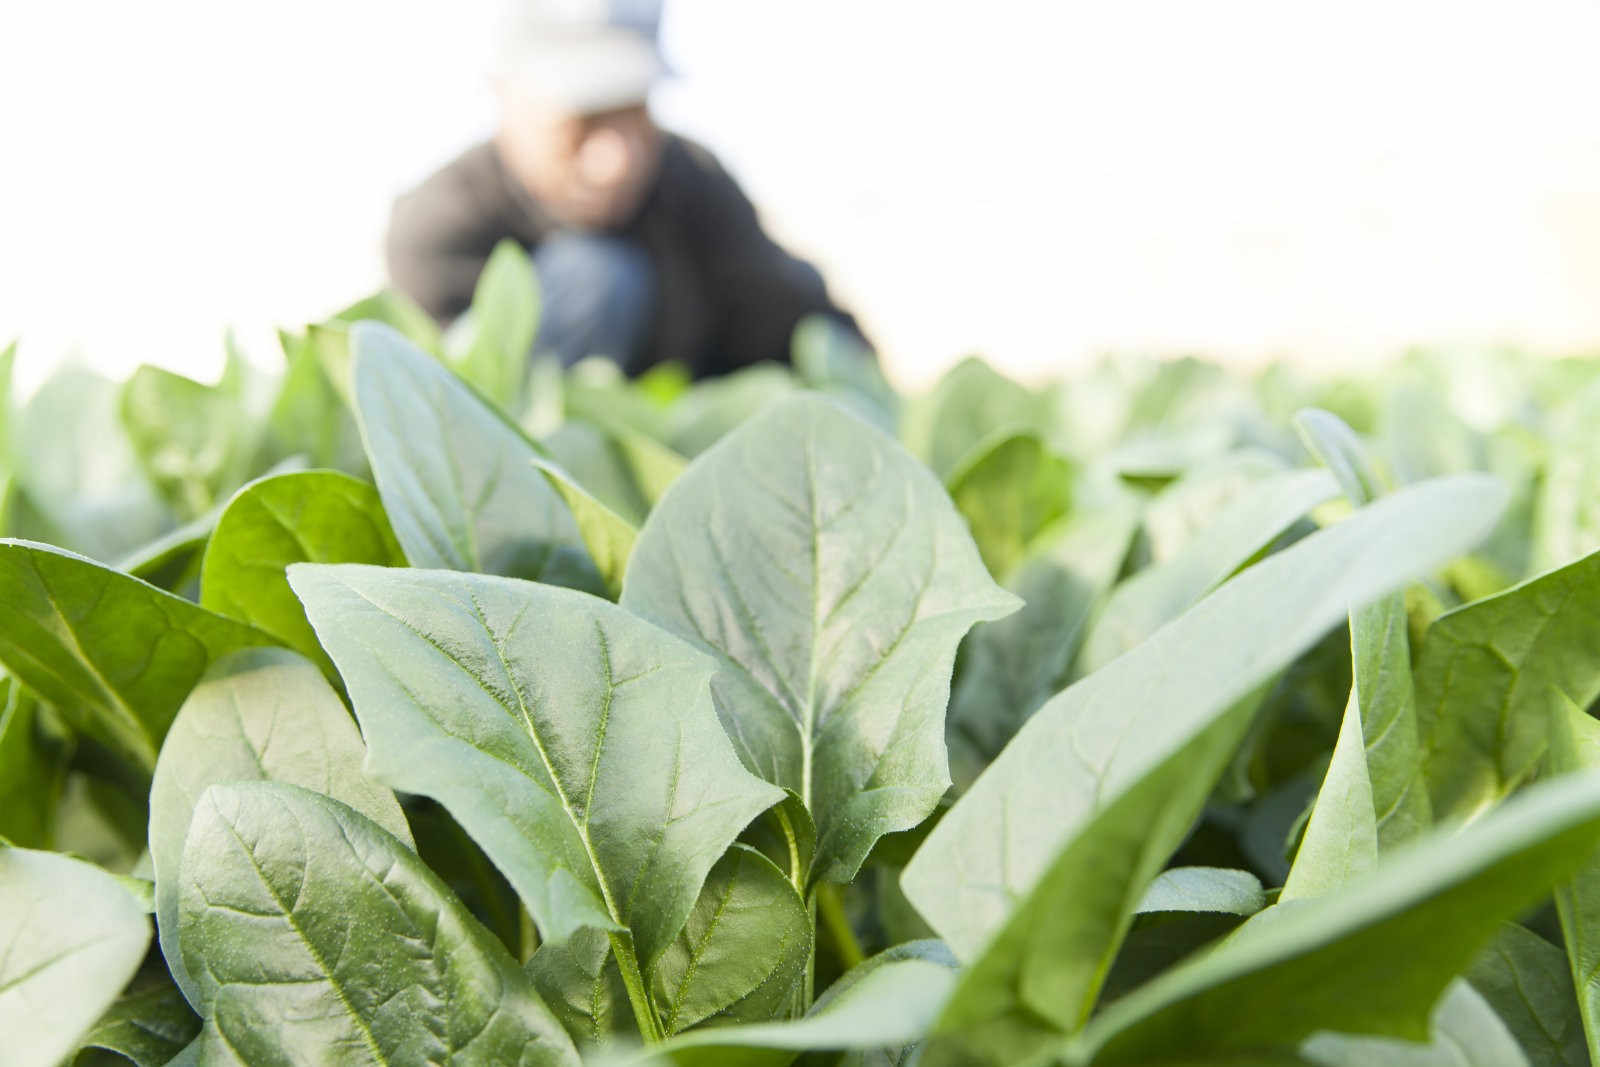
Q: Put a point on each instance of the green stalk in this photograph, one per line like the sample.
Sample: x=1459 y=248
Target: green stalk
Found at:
x=830 y=910
x=644 y=1008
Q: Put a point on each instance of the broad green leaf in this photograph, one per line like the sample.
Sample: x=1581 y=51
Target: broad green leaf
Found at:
x=1526 y=980
x=116 y=656
x=1341 y=837
x=1101 y=785
x=195 y=441
x=1006 y=669
x=578 y=978
x=505 y=315
x=1158 y=594
x=886 y=1002
x=172 y=561
x=1009 y=491
x=70 y=939
x=577 y=744
x=333 y=934
x=743 y=952
x=78 y=470
x=1464 y=1031
x=1574 y=749
x=1380 y=650
x=967 y=406
x=33 y=767
x=608 y=536
x=1493 y=674
x=457 y=481
x=1209 y=889
x=260 y=714
x=1373 y=958
x=148 y=1025
x=309 y=516
x=830 y=576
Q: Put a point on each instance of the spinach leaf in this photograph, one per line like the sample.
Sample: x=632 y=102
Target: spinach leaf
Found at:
x=327 y=931
x=116 y=656
x=830 y=576
x=70 y=938
x=309 y=516
x=1111 y=773
x=1372 y=959
x=577 y=744
x=259 y=714
x=457 y=480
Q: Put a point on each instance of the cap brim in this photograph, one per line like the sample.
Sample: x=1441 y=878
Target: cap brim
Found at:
x=591 y=72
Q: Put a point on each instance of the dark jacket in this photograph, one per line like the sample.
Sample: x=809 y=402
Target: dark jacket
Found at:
x=727 y=295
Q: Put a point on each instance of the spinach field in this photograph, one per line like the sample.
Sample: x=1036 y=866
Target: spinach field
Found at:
x=421 y=706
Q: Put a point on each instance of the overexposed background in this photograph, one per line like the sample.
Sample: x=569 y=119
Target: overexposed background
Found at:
x=1030 y=179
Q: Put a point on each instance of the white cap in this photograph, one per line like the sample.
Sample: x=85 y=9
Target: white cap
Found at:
x=584 y=55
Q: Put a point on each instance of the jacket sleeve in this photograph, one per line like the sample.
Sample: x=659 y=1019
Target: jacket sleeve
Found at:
x=761 y=290
x=436 y=244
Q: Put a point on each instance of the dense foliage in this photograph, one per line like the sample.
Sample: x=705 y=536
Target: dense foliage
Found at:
x=442 y=708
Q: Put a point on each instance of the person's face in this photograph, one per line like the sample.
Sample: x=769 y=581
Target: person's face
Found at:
x=588 y=170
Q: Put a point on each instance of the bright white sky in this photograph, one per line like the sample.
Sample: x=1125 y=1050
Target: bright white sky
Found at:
x=1032 y=179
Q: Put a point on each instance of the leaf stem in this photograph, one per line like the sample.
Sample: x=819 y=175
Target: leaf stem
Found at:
x=830 y=910
x=644 y=1009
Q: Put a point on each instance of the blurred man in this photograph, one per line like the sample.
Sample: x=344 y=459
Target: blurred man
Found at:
x=645 y=249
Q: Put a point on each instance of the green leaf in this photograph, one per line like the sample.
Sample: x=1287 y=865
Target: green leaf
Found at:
x=1341 y=837
x=1463 y=1030
x=331 y=933
x=886 y=1002
x=1575 y=748
x=1010 y=490
x=148 y=1025
x=608 y=536
x=195 y=441
x=1493 y=674
x=1006 y=669
x=116 y=656
x=78 y=470
x=714 y=407
x=505 y=316
x=1156 y=595
x=397 y=311
x=1384 y=690
x=743 y=953
x=260 y=714
x=577 y=744
x=1192 y=503
x=1371 y=959
x=457 y=481
x=1098 y=789
x=579 y=979
x=1526 y=980
x=1204 y=889
x=966 y=407
x=309 y=416
x=309 y=516
x=830 y=576
x=33 y=767
x=70 y=939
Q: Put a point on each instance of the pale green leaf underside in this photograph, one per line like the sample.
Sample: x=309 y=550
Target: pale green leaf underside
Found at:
x=70 y=939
